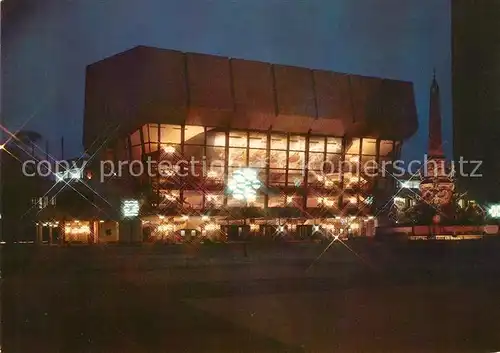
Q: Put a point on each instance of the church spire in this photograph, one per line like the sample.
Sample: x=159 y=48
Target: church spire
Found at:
x=435 y=135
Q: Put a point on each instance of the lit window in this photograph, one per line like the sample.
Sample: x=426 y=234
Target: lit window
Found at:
x=278 y=142
x=297 y=143
x=170 y=134
x=194 y=135
x=334 y=145
x=237 y=139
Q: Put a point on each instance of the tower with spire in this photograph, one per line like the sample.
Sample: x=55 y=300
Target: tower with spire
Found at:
x=437 y=183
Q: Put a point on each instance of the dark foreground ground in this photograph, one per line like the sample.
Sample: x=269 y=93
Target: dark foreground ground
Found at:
x=418 y=297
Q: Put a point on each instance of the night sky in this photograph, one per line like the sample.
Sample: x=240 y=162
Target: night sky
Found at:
x=46 y=45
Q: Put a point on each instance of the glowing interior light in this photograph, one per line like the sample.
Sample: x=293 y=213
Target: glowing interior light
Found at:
x=211 y=227
x=315 y=228
x=130 y=208
x=205 y=218
x=494 y=211
x=244 y=184
x=212 y=174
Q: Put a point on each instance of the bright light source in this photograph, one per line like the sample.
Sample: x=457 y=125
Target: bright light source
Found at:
x=494 y=211
x=185 y=217
x=244 y=184
x=2 y=146
x=130 y=208
x=205 y=218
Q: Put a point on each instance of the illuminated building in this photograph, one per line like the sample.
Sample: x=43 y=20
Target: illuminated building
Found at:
x=437 y=184
x=293 y=126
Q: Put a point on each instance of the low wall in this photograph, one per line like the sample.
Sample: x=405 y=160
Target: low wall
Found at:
x=438 y=230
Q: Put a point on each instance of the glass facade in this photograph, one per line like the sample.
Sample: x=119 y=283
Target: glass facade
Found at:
x=193 y=164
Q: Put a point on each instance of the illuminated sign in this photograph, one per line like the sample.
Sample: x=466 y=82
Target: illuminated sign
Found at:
x=244 y=184
x=130 y=208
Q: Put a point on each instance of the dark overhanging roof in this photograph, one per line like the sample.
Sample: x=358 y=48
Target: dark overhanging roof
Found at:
x=151 y=85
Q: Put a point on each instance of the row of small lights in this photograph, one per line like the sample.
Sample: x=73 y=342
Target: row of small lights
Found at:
x=255 y=227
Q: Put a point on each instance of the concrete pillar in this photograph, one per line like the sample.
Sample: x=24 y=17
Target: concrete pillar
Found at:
x=39 y=233
x=50 y=235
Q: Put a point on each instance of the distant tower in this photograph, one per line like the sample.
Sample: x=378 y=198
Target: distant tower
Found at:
x=437 y=185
